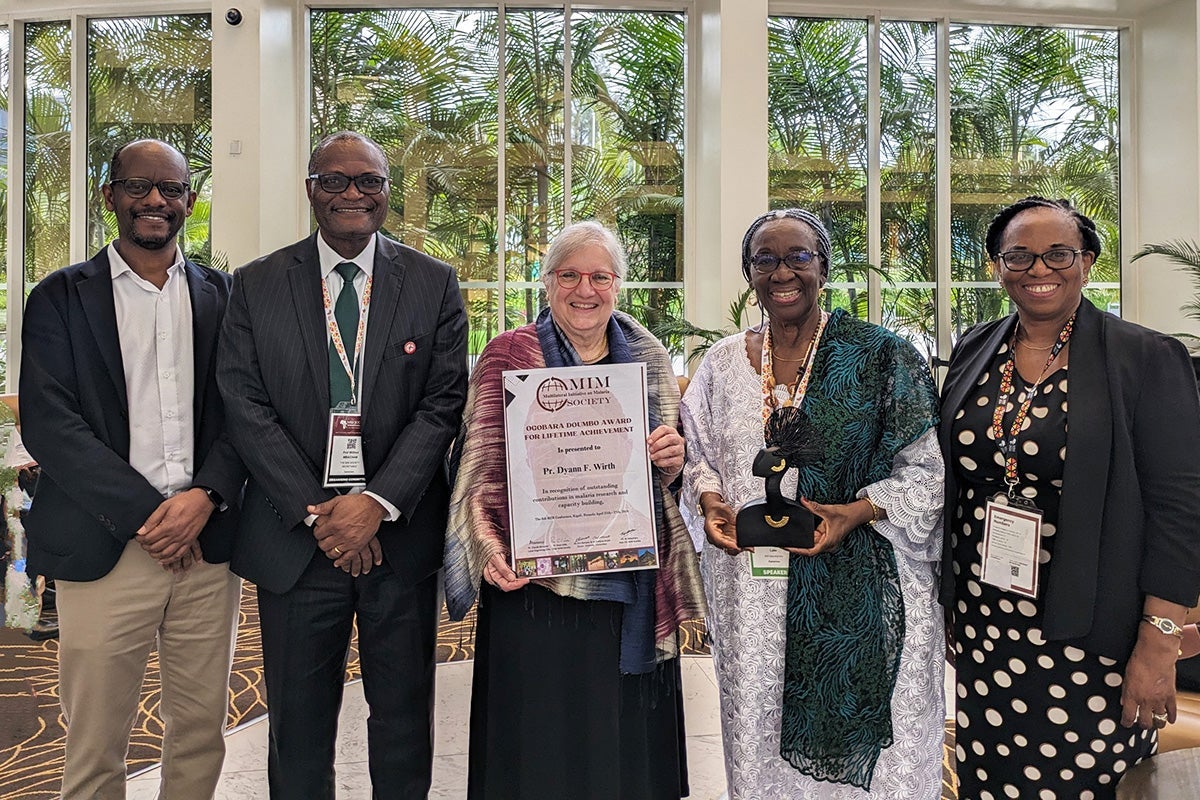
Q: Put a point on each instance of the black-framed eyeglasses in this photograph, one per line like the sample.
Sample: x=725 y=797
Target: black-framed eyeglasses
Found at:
x=570 y=278
x=1056 y=258
x=797 y=260
x=138 y=188
x=336 y=182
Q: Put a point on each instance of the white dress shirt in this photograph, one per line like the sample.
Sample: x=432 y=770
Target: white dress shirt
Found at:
x=155 y=330
x=366 y=265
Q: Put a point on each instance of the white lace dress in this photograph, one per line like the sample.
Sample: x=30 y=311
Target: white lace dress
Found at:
x=722 y=422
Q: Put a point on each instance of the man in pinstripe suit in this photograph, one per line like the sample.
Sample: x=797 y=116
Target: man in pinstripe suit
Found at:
x=389 y=355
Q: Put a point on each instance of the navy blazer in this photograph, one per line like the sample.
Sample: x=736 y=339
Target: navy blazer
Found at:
x=89 y=501
x=1129 y=518
x=273 y=370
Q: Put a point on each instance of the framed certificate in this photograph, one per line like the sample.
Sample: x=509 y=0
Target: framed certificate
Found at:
x=579 y=481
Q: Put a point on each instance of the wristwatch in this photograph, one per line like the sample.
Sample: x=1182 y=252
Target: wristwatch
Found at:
x=215 y=498
x=1167 y=626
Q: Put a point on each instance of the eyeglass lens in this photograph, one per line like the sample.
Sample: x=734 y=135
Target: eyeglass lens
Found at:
x=569 y=278
x=769 y=262
x=138 y=188
x=1022 y=260
x=336 y=183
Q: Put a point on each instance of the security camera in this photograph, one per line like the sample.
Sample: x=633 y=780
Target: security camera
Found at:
x=233 y=16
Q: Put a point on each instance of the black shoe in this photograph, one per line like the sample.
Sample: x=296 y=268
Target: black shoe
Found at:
x=41 y=631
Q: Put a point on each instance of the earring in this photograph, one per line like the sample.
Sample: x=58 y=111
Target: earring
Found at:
x=1086 y=281
x=752 y=300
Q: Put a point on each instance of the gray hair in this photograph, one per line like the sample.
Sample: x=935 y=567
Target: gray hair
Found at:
x=824 y=247
x=314 y=160
x=577 y=236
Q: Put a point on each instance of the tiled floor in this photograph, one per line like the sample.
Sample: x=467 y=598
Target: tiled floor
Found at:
x=245 y=774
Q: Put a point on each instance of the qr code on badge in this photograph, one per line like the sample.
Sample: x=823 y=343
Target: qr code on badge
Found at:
x=1015 y=570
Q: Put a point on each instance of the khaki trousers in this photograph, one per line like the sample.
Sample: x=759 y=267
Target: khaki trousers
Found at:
x=107 y=628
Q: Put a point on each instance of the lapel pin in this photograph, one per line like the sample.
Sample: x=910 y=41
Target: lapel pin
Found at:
x=410 y=347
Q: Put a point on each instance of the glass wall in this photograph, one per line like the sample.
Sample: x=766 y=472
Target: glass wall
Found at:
x=817 y=137
x=605 y=144
x=150 y=77
x=47 y=132
x=5 y=51
x=1032 y=111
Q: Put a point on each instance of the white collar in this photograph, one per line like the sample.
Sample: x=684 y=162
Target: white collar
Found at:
x=330 y=259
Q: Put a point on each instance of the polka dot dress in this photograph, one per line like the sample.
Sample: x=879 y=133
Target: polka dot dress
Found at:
x=1035 y=719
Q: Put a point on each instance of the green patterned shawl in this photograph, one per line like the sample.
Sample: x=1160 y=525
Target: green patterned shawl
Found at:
x=871 y=395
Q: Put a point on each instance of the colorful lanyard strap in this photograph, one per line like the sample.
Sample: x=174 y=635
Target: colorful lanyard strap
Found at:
x=335 y=334
x=768 y=375
x=1008 y=444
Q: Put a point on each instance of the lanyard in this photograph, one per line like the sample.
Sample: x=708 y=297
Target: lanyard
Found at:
x=768 y=373
x=1008 y=444
x=335 y=334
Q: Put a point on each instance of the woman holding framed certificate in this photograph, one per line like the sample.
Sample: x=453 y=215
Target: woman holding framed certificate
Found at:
x=576 y=689
x=828 y=659
x=1071 y=552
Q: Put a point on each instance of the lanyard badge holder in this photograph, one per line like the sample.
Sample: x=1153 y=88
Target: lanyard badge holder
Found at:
x=1012 y=528
x=344 y=463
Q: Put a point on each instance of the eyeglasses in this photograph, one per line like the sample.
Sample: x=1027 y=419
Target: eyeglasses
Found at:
x=798 y=260
x=569 y=278
x=336 y=182
x=1056 y=258
x=138 y=188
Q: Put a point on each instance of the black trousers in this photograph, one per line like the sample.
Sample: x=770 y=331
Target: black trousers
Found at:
x=305 y=637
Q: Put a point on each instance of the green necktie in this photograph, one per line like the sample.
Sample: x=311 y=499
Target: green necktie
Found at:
x=345 y=311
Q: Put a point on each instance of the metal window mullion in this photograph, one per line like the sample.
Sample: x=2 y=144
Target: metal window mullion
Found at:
x=16 y=201
x=942 y=249
x=79 y=133
x=501 y=167
x=566 y=113
x=874 y=171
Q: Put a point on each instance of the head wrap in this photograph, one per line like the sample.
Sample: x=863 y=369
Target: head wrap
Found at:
x=824 y=247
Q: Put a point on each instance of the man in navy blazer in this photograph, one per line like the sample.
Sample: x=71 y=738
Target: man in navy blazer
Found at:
x=134 y=511
x=345 y=332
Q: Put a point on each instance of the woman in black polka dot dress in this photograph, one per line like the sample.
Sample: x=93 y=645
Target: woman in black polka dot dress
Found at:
x=1060 y=685
x=1020 y=697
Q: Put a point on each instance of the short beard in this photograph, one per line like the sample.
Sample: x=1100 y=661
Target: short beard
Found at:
x=155 y=243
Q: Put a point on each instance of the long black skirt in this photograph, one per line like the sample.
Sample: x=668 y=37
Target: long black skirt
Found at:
x=552 y=718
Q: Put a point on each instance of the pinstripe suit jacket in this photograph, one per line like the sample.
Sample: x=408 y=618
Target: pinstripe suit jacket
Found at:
x=273 y=371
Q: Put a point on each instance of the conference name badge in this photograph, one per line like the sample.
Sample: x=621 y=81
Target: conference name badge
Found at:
x=344 y=465
x=1012 y=536
x=769 y=563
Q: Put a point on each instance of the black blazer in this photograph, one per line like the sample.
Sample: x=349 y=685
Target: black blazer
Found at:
x=89 y=501
x=1129 y=519
x=273 y=370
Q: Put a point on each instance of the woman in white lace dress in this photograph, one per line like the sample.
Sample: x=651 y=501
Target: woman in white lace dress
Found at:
x=830 y=674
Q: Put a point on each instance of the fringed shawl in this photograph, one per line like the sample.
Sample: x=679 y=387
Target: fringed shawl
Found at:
x=478 y=524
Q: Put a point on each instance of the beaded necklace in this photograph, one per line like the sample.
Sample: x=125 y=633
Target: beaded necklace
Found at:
x=778 y=396
x=1008 y=444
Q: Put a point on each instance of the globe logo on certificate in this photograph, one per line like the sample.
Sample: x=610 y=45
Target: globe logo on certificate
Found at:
x=552 y=394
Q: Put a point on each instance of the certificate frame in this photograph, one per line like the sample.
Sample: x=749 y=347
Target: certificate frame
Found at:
x=580 y=483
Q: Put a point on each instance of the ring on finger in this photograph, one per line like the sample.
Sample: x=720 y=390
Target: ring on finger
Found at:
x=1160 y=719
x=337 y=550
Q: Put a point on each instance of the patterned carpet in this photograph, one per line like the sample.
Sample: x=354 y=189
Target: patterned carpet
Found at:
x=32 y=733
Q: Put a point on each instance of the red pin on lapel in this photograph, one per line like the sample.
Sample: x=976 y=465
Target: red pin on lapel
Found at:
x=410 y=347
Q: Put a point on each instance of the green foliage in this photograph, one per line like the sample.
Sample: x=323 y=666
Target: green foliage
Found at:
x=1032 y=111
x=425 y=84
x=1185 y=255
x=678 y=330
